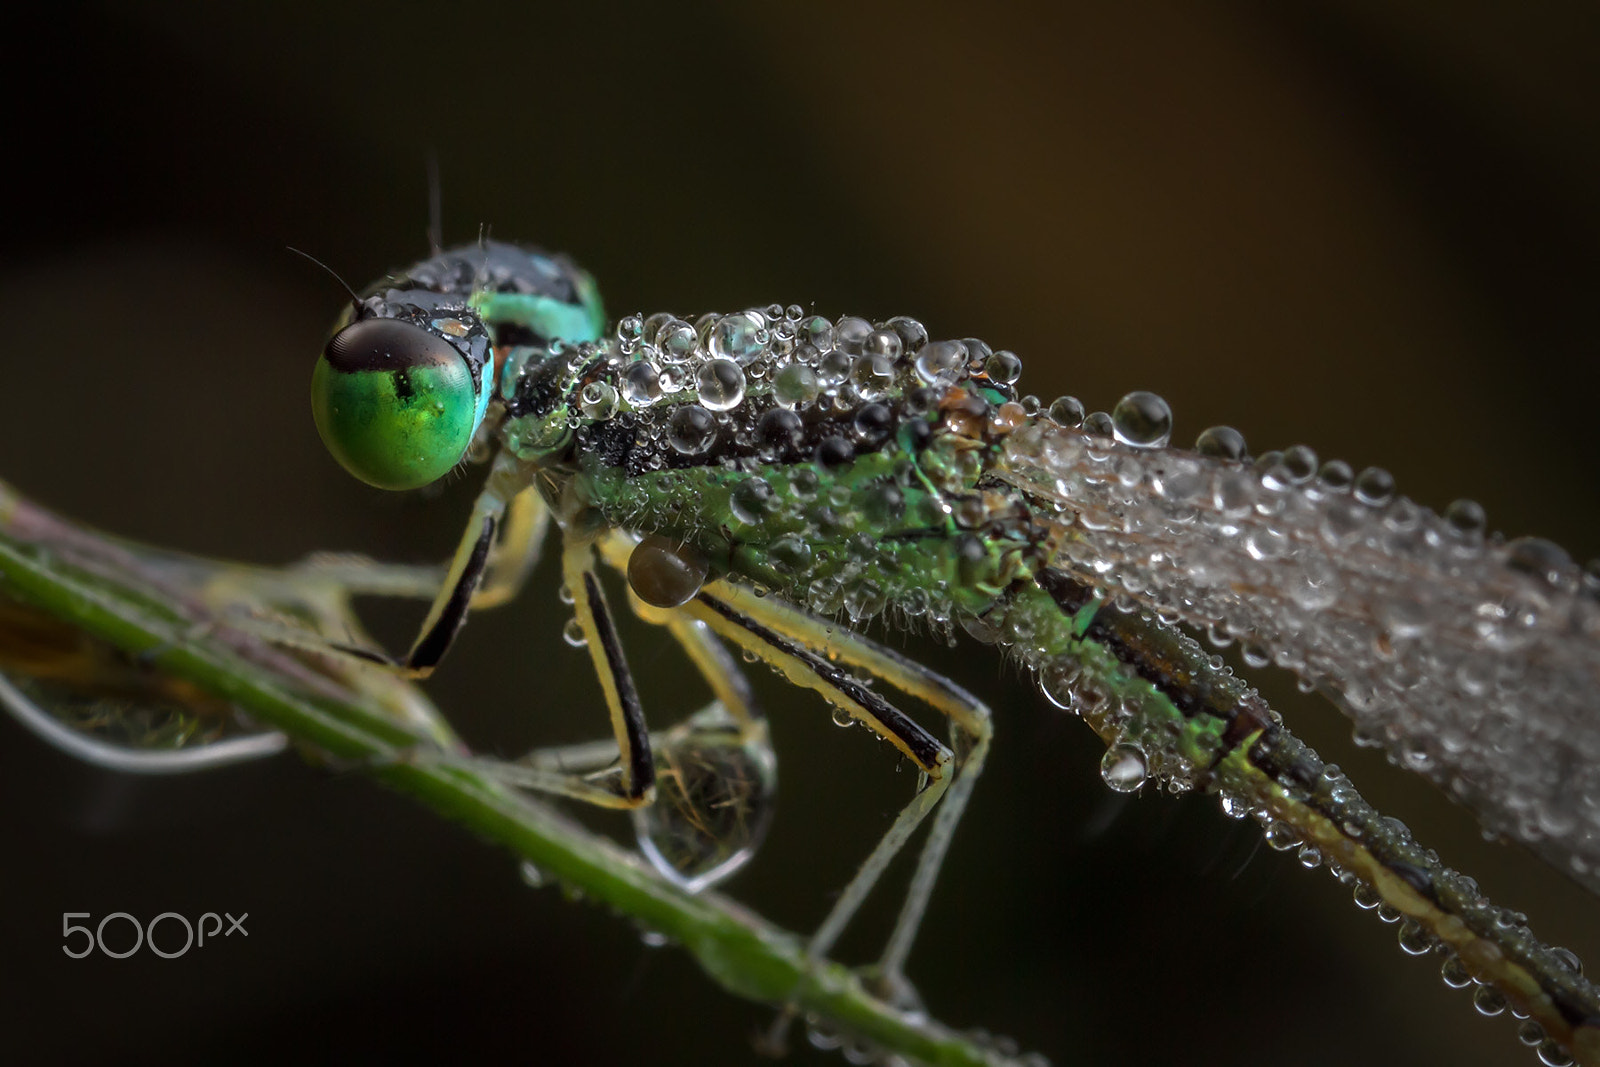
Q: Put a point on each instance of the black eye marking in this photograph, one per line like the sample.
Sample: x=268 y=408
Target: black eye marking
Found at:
x=387 y=345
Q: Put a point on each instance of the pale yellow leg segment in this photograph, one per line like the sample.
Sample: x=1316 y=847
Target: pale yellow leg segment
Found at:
x=605 y=650
x=516 y=550
x=969 y=716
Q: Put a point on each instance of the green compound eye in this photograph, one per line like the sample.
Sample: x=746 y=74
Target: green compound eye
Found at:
x=394 y=403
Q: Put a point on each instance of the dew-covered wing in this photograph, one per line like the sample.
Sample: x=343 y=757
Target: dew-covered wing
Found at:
x=1474 y=661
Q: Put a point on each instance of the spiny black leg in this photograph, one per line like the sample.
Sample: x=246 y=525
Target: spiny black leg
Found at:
x=894 y=725
x=448 y=615
x=641 y=766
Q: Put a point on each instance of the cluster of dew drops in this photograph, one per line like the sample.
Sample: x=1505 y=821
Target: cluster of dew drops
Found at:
x=1144 y=420
x=800 y=359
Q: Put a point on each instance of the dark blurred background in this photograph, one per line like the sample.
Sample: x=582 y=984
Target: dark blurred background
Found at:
x=1367 y=226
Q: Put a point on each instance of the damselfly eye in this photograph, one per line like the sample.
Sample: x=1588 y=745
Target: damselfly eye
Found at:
x=394 y=403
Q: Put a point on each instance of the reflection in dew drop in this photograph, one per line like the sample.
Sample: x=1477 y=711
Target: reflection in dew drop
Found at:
x=691 y=429
x=1455 y=973
x=942 y=362
x=598 y=401
x=674 y=378
x=572 y=633
x=1123 y=768
x=873 y=376
x=677 y=341
x=850 y=335
x=1466 y=517
x=714 y=790
x=1142 y=419
x=833 y=368
x=1221 y=442
x=1488 y=1000
x=1374 y=486
x=1066 y=411
x=1099 y=423
x=720 y=384
x=740 y=338
x=641 y=384
x=1003 y=367
x=795 y=385
x=913 y=335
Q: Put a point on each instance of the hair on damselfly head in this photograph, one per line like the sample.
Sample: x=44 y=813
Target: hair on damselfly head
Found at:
x=435 y=205
x=355 y=300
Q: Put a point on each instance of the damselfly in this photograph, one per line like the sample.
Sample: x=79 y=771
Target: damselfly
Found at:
x=773 y=479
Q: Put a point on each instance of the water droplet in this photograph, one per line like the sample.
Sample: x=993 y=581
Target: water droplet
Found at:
x=572 y=633
x=1551 y=1054
x=752 y=501
x=1466 y=517
x=1535 y=556
x=629 y=328
x=818 y=333
x=1455 y=973
x=1299 y=464
x=1414 y=938
x=1488 y=1000
x=1530 y=1033
x=1336 y=476
x=740 y=338
x=665 y=573
x=835 y=451
x=1123 y=768
x=674 y=378
x=676 y=340
x=641 y=384
x=1221 y=442
x=1099 y=423
x=883 y=342
x=1067 y=411
x=821 y=1035
x=913 y=335
x=653 y=938
x=873 y=423
x=1003 y=367
x=691 y=430
x=531 y=875
x=1281 y=837
x=942 y=362
x=720 y=384
x=850 y=335
x=794 y=385
x=873 y=376
x=843 y=718
x=1142 y=419
x=833 y=368
x=1374 y=486
x=780 y=430
x=598 y=401
x=790 y=554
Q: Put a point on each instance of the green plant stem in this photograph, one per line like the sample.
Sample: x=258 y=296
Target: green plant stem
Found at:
x=740 y=951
